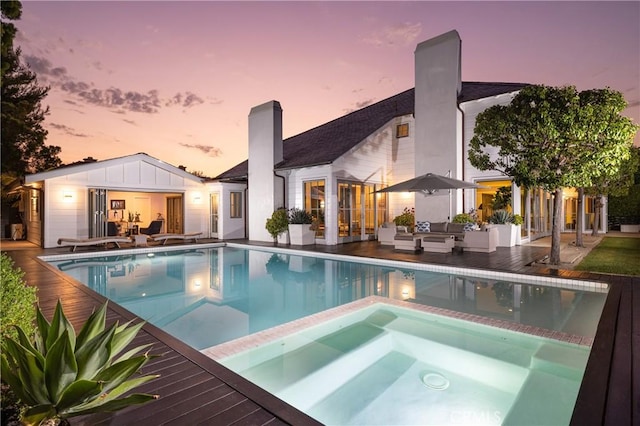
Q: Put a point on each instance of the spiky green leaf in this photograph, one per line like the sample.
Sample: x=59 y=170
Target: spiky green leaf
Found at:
x=95 y=354
x=133 y=352
x=60 y=324
x=26 y=366
x=26 y=343
x=12 y=379
x=43 y=332
x=79 y=392
x=123 y=337
x=92 y=327
x=119 y=372
x=36 y=414
x=116 y=404
x=60 y=368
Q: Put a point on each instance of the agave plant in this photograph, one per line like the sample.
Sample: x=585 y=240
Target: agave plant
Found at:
x=61 y=375
x=300 y=217
x=501 y=217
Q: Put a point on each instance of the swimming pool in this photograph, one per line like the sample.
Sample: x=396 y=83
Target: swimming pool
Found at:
x=225 y=300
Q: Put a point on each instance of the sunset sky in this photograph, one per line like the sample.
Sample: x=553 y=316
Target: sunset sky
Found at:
x=177 y=80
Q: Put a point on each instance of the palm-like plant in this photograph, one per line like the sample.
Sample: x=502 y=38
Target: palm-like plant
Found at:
x=62 y=375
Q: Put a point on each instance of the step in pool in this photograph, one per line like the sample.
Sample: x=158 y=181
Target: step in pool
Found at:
x=390 y=365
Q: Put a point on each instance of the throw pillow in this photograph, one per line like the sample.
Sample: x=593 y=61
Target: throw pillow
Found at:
x=423 y=226
x=439 y=227
x=469 y=226
x=456 y=228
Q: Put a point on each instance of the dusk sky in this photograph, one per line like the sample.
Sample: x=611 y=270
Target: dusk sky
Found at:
x=177 y=80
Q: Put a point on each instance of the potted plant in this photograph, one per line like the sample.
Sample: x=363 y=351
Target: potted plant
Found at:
x=507 y=230
x=407 y=218
x=277 y=225
x=300 y=231
x=518 y=221
x=463 y=218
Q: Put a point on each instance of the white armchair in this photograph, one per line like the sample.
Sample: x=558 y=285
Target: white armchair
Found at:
x=386 y=233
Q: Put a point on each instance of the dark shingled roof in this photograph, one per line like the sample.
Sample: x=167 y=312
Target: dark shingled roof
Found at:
x=326 y=143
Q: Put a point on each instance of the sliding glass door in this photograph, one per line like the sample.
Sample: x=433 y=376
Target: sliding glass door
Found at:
x=97 y=212
x=356 y=211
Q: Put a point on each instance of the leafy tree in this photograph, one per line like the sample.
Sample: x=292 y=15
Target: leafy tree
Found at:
x=23 y=137
x=10 y=10
x=550 y=138
x=616 y=185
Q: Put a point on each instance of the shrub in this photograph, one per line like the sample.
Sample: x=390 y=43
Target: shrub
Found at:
x=17 y=301
x=407 y=218
x=517 y=219
x=300 y=217
x=463 y=218
x=278 y=223
x=61 y=375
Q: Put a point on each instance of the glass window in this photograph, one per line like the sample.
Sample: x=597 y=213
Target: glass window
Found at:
x=34 y=214
x=402 y=130
x=235 y=208
x=314 y=203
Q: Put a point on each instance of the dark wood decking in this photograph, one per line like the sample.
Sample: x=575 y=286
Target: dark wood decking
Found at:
x=194 y=389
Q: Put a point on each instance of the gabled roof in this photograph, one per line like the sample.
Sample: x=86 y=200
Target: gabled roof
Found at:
x=326 y=143
x=85 y=166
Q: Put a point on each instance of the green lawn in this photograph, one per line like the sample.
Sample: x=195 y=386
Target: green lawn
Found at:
x=617 y=255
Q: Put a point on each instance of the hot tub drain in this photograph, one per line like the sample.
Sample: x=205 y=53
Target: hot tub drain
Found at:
x=435 y=381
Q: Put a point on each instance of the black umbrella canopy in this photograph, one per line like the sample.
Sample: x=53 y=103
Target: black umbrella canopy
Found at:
x=428 y=184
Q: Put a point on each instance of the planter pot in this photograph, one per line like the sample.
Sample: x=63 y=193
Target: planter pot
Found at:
x=301 y=235
x=283 y=238
x=506 y=234
x=518 y=235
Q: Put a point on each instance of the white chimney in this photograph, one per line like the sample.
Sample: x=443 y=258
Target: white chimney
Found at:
x=438 y=135
x=266 y=191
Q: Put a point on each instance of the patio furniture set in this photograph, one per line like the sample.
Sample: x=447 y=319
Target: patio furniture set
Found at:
x=439 y=237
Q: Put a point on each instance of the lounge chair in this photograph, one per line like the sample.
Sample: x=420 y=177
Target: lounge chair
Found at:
x=154 y=228
x=96 y=241
x=164 y=237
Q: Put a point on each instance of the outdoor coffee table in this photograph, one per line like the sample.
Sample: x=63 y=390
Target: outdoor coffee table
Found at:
x=140 y=239
x=438 y=244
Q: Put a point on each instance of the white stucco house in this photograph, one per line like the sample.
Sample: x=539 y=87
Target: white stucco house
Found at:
x=332 y=170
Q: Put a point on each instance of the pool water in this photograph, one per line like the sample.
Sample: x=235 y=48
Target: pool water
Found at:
x=385 y=365
x=209 y=296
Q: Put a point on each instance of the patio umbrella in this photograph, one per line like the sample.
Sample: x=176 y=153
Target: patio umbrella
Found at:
x=429 y=184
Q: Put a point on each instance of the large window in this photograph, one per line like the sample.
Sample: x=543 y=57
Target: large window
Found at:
x=494 y=195
x=314 y=203
x=235 y=207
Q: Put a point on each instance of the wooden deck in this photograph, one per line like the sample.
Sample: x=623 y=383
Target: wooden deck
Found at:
x=194 y=389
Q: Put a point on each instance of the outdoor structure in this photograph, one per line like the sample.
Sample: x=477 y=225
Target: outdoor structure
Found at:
x=82 y=200
x=334 y=171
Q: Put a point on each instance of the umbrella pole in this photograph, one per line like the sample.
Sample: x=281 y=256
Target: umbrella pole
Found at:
x=450 y=210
